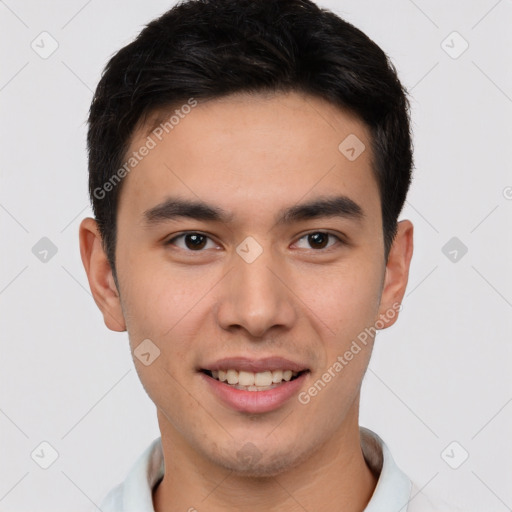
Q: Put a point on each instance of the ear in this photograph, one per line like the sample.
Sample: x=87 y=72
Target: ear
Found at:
x=99 y=274
x=397 y=274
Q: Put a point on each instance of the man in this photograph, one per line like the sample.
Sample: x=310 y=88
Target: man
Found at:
x=248 y=162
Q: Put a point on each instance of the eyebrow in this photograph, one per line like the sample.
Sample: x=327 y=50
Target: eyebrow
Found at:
x=175 y=207
x=339 y=206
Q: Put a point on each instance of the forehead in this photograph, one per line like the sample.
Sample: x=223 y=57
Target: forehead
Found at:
x=250 y=150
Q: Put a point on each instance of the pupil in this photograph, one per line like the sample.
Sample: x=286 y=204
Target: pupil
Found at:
x=195 y=241
x=318 y=240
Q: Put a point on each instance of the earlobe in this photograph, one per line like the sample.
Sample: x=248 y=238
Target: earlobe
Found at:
x=99 y=275
x=397 y=274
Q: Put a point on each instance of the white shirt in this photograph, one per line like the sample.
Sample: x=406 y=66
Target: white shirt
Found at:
x=394 y=491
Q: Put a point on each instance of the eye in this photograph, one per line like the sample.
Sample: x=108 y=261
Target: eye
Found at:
x=318 y=240
x=192 y=241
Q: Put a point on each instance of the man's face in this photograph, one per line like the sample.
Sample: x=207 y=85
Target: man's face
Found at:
x=266 y=287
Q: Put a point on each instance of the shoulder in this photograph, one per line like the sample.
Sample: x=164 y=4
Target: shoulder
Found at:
x=394 y=490
x=135 y=492
x=421 y=501
x=113 y=501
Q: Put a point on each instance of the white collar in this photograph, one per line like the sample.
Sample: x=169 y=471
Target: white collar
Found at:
x=135 y=494
x=393 y=488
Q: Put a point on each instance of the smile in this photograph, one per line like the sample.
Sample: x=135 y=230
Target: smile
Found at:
x=254 y=386
x=253 y=381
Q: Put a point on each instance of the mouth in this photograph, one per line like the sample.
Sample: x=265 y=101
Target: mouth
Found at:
x=254 y=381
x=254 y=386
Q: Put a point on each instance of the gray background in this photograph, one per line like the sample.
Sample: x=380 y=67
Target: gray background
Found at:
x=440 y=375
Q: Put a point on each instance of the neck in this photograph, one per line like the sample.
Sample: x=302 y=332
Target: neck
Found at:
x=335 y=474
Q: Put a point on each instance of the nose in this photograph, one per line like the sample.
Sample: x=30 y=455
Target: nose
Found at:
x=256 y=297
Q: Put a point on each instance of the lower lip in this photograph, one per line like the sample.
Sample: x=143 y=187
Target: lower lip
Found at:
x=255 y=402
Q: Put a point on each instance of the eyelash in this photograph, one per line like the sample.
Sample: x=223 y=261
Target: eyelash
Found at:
x=331 y=235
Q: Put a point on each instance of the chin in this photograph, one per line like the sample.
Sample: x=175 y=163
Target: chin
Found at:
x=261 y=469
x=249 y=461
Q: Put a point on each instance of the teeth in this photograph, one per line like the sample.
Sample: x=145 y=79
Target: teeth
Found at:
x=232 y=377
x=277 y=376
x=246 y=378
x=263 y=379
x=253 y=381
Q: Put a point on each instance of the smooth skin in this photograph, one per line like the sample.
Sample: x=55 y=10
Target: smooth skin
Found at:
x=253 y=156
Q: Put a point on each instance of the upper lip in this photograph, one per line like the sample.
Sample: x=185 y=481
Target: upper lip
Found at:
x=254 y=365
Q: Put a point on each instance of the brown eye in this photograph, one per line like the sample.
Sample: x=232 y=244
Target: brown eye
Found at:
x=192 y=242
x=195 y=241
x=318 y=240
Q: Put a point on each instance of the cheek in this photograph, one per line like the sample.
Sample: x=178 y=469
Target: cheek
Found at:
x=158 y=301
x=349 y=307
x=163 y=310
x=346 y=299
